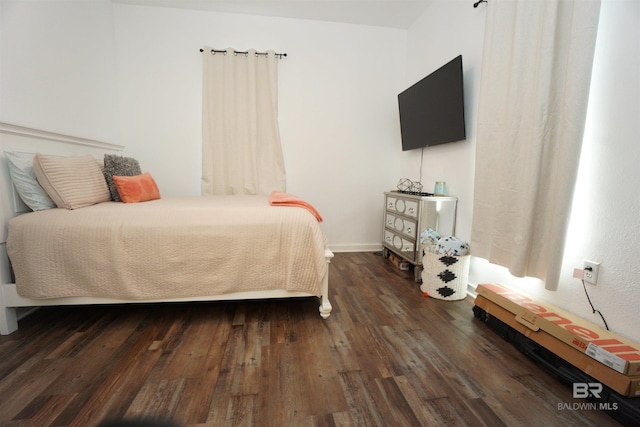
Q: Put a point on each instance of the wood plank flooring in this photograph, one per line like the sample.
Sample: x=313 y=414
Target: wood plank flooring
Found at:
x=387 y=356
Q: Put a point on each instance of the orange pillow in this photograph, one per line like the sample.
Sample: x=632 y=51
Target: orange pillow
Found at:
x=138 y=188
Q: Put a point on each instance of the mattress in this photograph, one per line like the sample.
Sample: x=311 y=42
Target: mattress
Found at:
x=173 y=247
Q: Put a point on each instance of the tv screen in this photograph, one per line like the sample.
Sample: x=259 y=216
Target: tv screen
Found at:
x=432 y=110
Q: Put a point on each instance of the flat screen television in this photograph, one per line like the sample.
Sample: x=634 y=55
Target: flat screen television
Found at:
x=432 y=110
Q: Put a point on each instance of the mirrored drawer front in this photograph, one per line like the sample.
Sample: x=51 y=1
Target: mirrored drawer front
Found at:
x=403 y=206
x=403 y=245
x=401 y=225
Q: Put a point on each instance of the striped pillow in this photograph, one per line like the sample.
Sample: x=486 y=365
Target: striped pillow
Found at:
x=71 y=182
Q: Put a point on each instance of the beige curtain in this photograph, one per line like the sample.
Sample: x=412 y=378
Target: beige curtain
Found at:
x=241 y=152
x=536 y=72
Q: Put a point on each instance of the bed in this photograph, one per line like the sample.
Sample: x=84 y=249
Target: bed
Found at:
x=166 y=249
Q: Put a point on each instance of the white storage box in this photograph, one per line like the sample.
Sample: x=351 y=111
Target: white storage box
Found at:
x=445 y=277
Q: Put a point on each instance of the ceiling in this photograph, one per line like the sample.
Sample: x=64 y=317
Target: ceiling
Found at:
x=382 y=13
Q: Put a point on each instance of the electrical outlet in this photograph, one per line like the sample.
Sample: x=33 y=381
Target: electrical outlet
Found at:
x=590 y=271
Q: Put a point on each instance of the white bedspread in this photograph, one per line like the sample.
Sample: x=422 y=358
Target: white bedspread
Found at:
x=172 y=247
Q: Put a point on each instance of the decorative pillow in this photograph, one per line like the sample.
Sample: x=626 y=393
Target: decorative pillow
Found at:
x=120 y=166
x=71 y=182
x=25 y=181
x=139 y=188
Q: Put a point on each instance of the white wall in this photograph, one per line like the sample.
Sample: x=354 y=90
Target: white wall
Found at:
x=58 y=67
x=446 y=30
x=605 y=223
x=337 y=104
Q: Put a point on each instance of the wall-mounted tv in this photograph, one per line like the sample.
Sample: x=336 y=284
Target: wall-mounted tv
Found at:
x=432 y=110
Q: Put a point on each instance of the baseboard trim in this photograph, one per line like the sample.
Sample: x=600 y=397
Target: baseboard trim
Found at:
x=471 y=290
x=362 y=247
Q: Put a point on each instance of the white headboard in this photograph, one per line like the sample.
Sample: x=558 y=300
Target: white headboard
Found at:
x=28 y=140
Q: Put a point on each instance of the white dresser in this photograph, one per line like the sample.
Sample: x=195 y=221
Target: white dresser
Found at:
x=406 y=216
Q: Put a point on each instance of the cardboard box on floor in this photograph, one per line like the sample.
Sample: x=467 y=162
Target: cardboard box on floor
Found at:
x=616 y=352
x=623 y=384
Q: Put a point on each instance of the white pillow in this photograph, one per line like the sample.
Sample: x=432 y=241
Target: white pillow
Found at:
x=25 y=181
x=72 y=182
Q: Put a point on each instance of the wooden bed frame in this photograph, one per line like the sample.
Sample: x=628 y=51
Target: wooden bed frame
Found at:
x=13 y=306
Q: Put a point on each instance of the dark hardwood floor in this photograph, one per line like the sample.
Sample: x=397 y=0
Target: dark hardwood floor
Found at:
x=386 y=356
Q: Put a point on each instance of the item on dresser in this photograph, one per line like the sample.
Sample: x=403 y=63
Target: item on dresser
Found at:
x=414 y=193
x=406 y=185
x=440 y=189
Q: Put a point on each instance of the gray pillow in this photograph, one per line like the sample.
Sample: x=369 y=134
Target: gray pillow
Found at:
x=119 y=166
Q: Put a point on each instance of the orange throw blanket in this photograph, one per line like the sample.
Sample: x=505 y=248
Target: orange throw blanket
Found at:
x=280 y=198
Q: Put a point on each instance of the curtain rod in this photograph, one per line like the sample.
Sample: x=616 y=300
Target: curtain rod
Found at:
x=214 y=51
